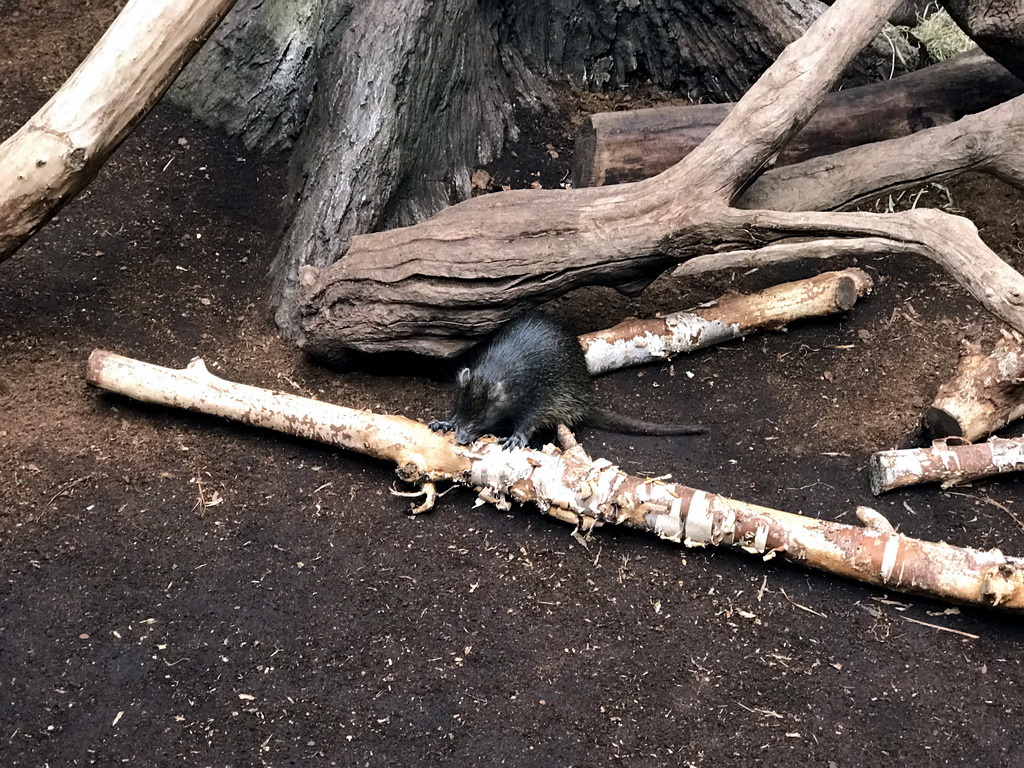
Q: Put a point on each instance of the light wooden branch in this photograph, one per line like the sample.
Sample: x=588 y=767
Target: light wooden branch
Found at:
x=945 y=461
x=59 y=150
x=639 y=342
x=573 y=487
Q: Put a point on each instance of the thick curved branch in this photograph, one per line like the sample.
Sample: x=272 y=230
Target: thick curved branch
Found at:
x=791 y=250
x=950 y=241
x=782 y=101
x=436 y=287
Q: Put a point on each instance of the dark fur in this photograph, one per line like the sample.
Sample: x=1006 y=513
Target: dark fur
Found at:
x=529 y=377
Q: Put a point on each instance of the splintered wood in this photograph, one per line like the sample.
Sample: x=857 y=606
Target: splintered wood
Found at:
x=573 y=487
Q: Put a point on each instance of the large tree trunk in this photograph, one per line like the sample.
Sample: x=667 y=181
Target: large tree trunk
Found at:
x=391 y=104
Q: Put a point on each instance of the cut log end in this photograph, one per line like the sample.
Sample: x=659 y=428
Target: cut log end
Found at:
x=583 y=172
x=846 y=294
x=94 y=365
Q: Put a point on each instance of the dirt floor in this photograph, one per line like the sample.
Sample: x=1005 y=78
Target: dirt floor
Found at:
x=307 y=620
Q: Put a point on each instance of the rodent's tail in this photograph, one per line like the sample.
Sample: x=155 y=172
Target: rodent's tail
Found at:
x=616 y=422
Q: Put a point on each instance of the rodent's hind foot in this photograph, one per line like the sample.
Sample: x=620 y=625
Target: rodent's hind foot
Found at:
x=441 y=426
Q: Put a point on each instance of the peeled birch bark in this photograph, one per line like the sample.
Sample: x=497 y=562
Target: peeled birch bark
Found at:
x=945 y=462
x=59 y=150
x=571 y=486
x=985 y=393
x=639 y=342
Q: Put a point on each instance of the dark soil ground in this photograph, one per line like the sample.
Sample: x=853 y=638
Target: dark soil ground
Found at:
x=307 y=620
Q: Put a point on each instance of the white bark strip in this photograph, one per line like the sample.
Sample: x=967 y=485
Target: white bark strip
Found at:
x=58 y=151
x=575 y=488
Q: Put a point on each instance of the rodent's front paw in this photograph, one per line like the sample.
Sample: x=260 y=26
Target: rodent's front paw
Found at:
x=512 y=441
x=441 y=426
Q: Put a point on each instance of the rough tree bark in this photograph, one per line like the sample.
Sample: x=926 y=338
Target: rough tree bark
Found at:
x=997 y=28
x=391 y=104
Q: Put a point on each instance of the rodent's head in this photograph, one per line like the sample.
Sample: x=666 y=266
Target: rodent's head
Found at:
x=480 y=407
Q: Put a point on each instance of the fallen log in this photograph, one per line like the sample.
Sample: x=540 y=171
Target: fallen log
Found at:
x=571 y=486
x=616 y=147
x=985 y=393
x=638 y=342
x=59 y=150
x=946 y=462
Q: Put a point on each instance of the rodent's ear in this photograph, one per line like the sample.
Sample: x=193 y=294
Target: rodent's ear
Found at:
x=463 y=377
x=498 y=393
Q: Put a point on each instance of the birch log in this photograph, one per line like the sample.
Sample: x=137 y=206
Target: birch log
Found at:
x=946 y=462
x=639 y=342
x=59 y=150
x=985 y=393
x=572 y=487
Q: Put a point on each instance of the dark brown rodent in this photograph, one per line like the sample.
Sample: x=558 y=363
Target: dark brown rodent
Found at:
x=531 y=375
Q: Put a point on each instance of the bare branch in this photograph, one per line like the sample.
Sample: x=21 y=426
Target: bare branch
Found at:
x=58 y=151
